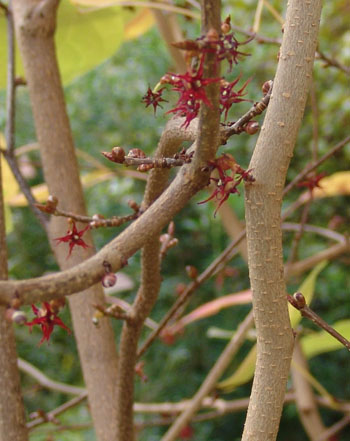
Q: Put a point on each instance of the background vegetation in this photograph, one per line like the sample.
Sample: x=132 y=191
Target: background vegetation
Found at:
x=105 y=109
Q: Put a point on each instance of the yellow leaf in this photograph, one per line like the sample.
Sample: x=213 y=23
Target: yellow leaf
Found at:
x=246 y=369
x=139 y=25
x=242 y=375
x=10 y=186
x=41 y=192
x=336 y=184
x=307 y=288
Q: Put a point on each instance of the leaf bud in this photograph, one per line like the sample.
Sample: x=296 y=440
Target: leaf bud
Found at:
x=133 y=205
x=15 y=303
x=171 y=228
x=180 y=288
x=109 y=280
x=266 y=87
x=212 y=35
x=118 y=154
x=226 y=25
x=251 y=127
x=144 y=167
x=192 y=271
x=16 y=316
x=136 y=153
x=300 y=300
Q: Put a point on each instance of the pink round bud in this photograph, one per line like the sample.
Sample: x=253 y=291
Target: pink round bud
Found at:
x=109 y=280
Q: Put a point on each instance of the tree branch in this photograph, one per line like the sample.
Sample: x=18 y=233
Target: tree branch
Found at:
x=263 y=219
x=211 y=379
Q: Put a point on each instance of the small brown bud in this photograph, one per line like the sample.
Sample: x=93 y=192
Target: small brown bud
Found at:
x=57 y=304
x=212 y=35
x=180 y=288
x=118 y=154
x=15 y=303
x=109 y=280
x=136 y=153
x=145 y=167
x=226 y=25
x=97 y=217
x=266 y=87
x=251 y=127
x=133 y=205
x=186 y=45
x=192 y=271
x=15 y=316
x=300 y=300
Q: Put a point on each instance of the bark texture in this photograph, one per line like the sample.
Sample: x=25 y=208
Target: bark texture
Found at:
x=263 y=199
x=35 y=26
x=12 y=419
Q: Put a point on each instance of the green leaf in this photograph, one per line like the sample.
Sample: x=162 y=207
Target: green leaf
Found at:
x=307 y=288
x=246 y=369
x=320 y=342
x=83 y=39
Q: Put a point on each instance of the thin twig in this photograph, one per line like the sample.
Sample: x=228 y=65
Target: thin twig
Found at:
x=238 y=126
x=334 y=429
x=205 y=275
x=319 y=55
x=298 y=235
x=10 y=120
x=311 y=167
x=52 y=415
x=11 y=86
x=45 y=381
x=211 y=379
x=298 y=301
x=325 y=232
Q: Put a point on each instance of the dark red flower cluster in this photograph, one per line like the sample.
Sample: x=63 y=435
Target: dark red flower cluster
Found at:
x=228 y=96
x=74 y=238
x=47 y=319
x=191 y=88
x=227 y=49
x=153 y=98
x=312 y=181
x=226 y=184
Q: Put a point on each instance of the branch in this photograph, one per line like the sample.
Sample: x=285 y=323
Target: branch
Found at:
x=51 y=416
x=310 y=262
x=298 y=301
x=276 y=41
x=214 y=267
x=311 y=167
x=46 y=382
x=211 y=379
x=263 y=200
x=256 y=109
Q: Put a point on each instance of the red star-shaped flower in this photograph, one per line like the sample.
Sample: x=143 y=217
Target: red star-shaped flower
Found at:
x=312 y=182
x=191 y=88
x=47 y=319
x=74 y=238
x=153 y=98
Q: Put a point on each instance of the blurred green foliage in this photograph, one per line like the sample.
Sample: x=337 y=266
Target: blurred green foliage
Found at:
x=105 y=110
